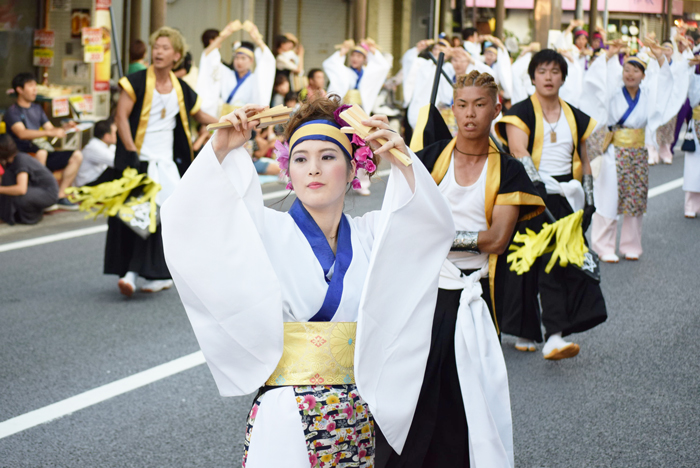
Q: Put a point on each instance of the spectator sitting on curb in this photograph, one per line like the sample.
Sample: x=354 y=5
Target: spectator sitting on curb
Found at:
x=24 y=120
x=98 y=155
x=27 y=188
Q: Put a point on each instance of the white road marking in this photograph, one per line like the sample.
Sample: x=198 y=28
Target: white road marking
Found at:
x=52 y=238
x=99 y=394
x=127 y=384
x=667 y=187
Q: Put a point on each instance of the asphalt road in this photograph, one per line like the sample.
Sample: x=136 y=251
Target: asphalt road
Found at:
x=630 y=399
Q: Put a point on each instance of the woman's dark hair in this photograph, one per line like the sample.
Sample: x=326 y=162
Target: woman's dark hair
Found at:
x=8 y=148
x=186 y=63
x=279 y=79
x=310 y=74
x=317 y=109
x=637 y=65
x=102 y=128
x=278 y=41
x=468 y=32
x=137 y=50
x=22 y=79
x=208 y=36
x=546 y=56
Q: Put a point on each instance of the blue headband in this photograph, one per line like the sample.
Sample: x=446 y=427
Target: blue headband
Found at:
x=324 y=130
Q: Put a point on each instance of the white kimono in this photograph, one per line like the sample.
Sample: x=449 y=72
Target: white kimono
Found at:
x=502 y=71
x=257 y=88
x=343 y=78
x=209 y=82
x=691 y=170
x=423 y=87
x=242 y=270
x=603 y=90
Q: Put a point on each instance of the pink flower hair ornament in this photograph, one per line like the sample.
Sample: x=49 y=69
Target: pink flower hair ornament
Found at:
x=363 y=155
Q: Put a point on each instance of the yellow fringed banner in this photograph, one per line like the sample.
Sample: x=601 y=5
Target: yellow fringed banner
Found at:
x=568 y=245
x=110 y=198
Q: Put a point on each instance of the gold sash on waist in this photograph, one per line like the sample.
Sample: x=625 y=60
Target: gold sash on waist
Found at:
x=625 y=138
x=353 y=97
x=316 y=353
x=696 y=113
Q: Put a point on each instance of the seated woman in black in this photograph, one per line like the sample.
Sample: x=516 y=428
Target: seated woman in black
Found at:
x=27 y=187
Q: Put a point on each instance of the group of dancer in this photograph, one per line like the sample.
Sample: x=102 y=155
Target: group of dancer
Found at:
x=376 y=340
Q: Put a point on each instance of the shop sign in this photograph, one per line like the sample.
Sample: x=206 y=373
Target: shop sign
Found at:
x=81 y=103
x=94 y=53
x=59 y=107
x=44 y=38
x=103 y=4
x=92 y=36
x=43 y=57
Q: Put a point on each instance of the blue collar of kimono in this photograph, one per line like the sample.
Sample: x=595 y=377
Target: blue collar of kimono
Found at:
x=326 y=257
x=360 y=73
x=631 y=104
x=238 y=85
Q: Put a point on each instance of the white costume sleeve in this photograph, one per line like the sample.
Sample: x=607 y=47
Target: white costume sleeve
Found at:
x=212 y=228
x=681 y=83
x=398 y=302
x=407 y=62
x=595 y=89
x=337 y=73
x=209 y=81
x=571 y=89
x=661 y=88
x=264 y=75
x=694 y=91
x=373 y=79
x=521 y=80
x=505 y=72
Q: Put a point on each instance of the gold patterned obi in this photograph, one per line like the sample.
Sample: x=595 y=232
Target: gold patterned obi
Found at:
x=625 y=138
x=353 y=97
x=316 y=353
x=696 y=113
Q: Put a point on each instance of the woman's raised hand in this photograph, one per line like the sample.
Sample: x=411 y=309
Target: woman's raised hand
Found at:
x=393 y=139
x=229 y=138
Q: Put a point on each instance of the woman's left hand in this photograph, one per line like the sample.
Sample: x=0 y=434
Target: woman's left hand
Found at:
x=383 y=131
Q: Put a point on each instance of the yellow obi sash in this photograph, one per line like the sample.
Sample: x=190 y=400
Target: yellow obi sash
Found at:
x=353 y=97
x=316 y=353
x=696 y=113
x=625 y=138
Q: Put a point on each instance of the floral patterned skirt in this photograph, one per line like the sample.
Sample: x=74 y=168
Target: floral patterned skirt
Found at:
x=337 y=425
x=666 y=133
x=632 y=166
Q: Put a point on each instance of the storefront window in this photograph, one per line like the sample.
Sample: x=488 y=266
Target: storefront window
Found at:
x=18 y=19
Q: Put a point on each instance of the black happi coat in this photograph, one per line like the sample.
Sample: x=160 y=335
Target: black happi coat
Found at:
x=140 y=86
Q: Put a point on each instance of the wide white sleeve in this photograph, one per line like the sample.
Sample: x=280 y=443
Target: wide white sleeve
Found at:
x=264 y=75
x=595 y=88
x=661 y=87
x=209 y=81
x=505 y=72
x=374 y=76
x=213 y=237
x=406 y=65
x=337 y=73
x=521 y=80
x=694 y=91
x=398 y=301
x=409 y=81
x=571 y=89
x=613 y=77
x=681 y=84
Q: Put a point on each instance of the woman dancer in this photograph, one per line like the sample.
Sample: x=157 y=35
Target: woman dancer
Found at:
x=338 y=335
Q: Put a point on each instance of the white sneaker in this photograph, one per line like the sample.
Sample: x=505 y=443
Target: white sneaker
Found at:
x=51 y=208
x=556 y=348
x=156 y=285
x=610 y=258
x=521 y=344
x=126 y=286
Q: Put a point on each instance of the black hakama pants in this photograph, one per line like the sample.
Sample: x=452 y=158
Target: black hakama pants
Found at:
x=571 y=301
x=127 y=251
x=439 y=435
